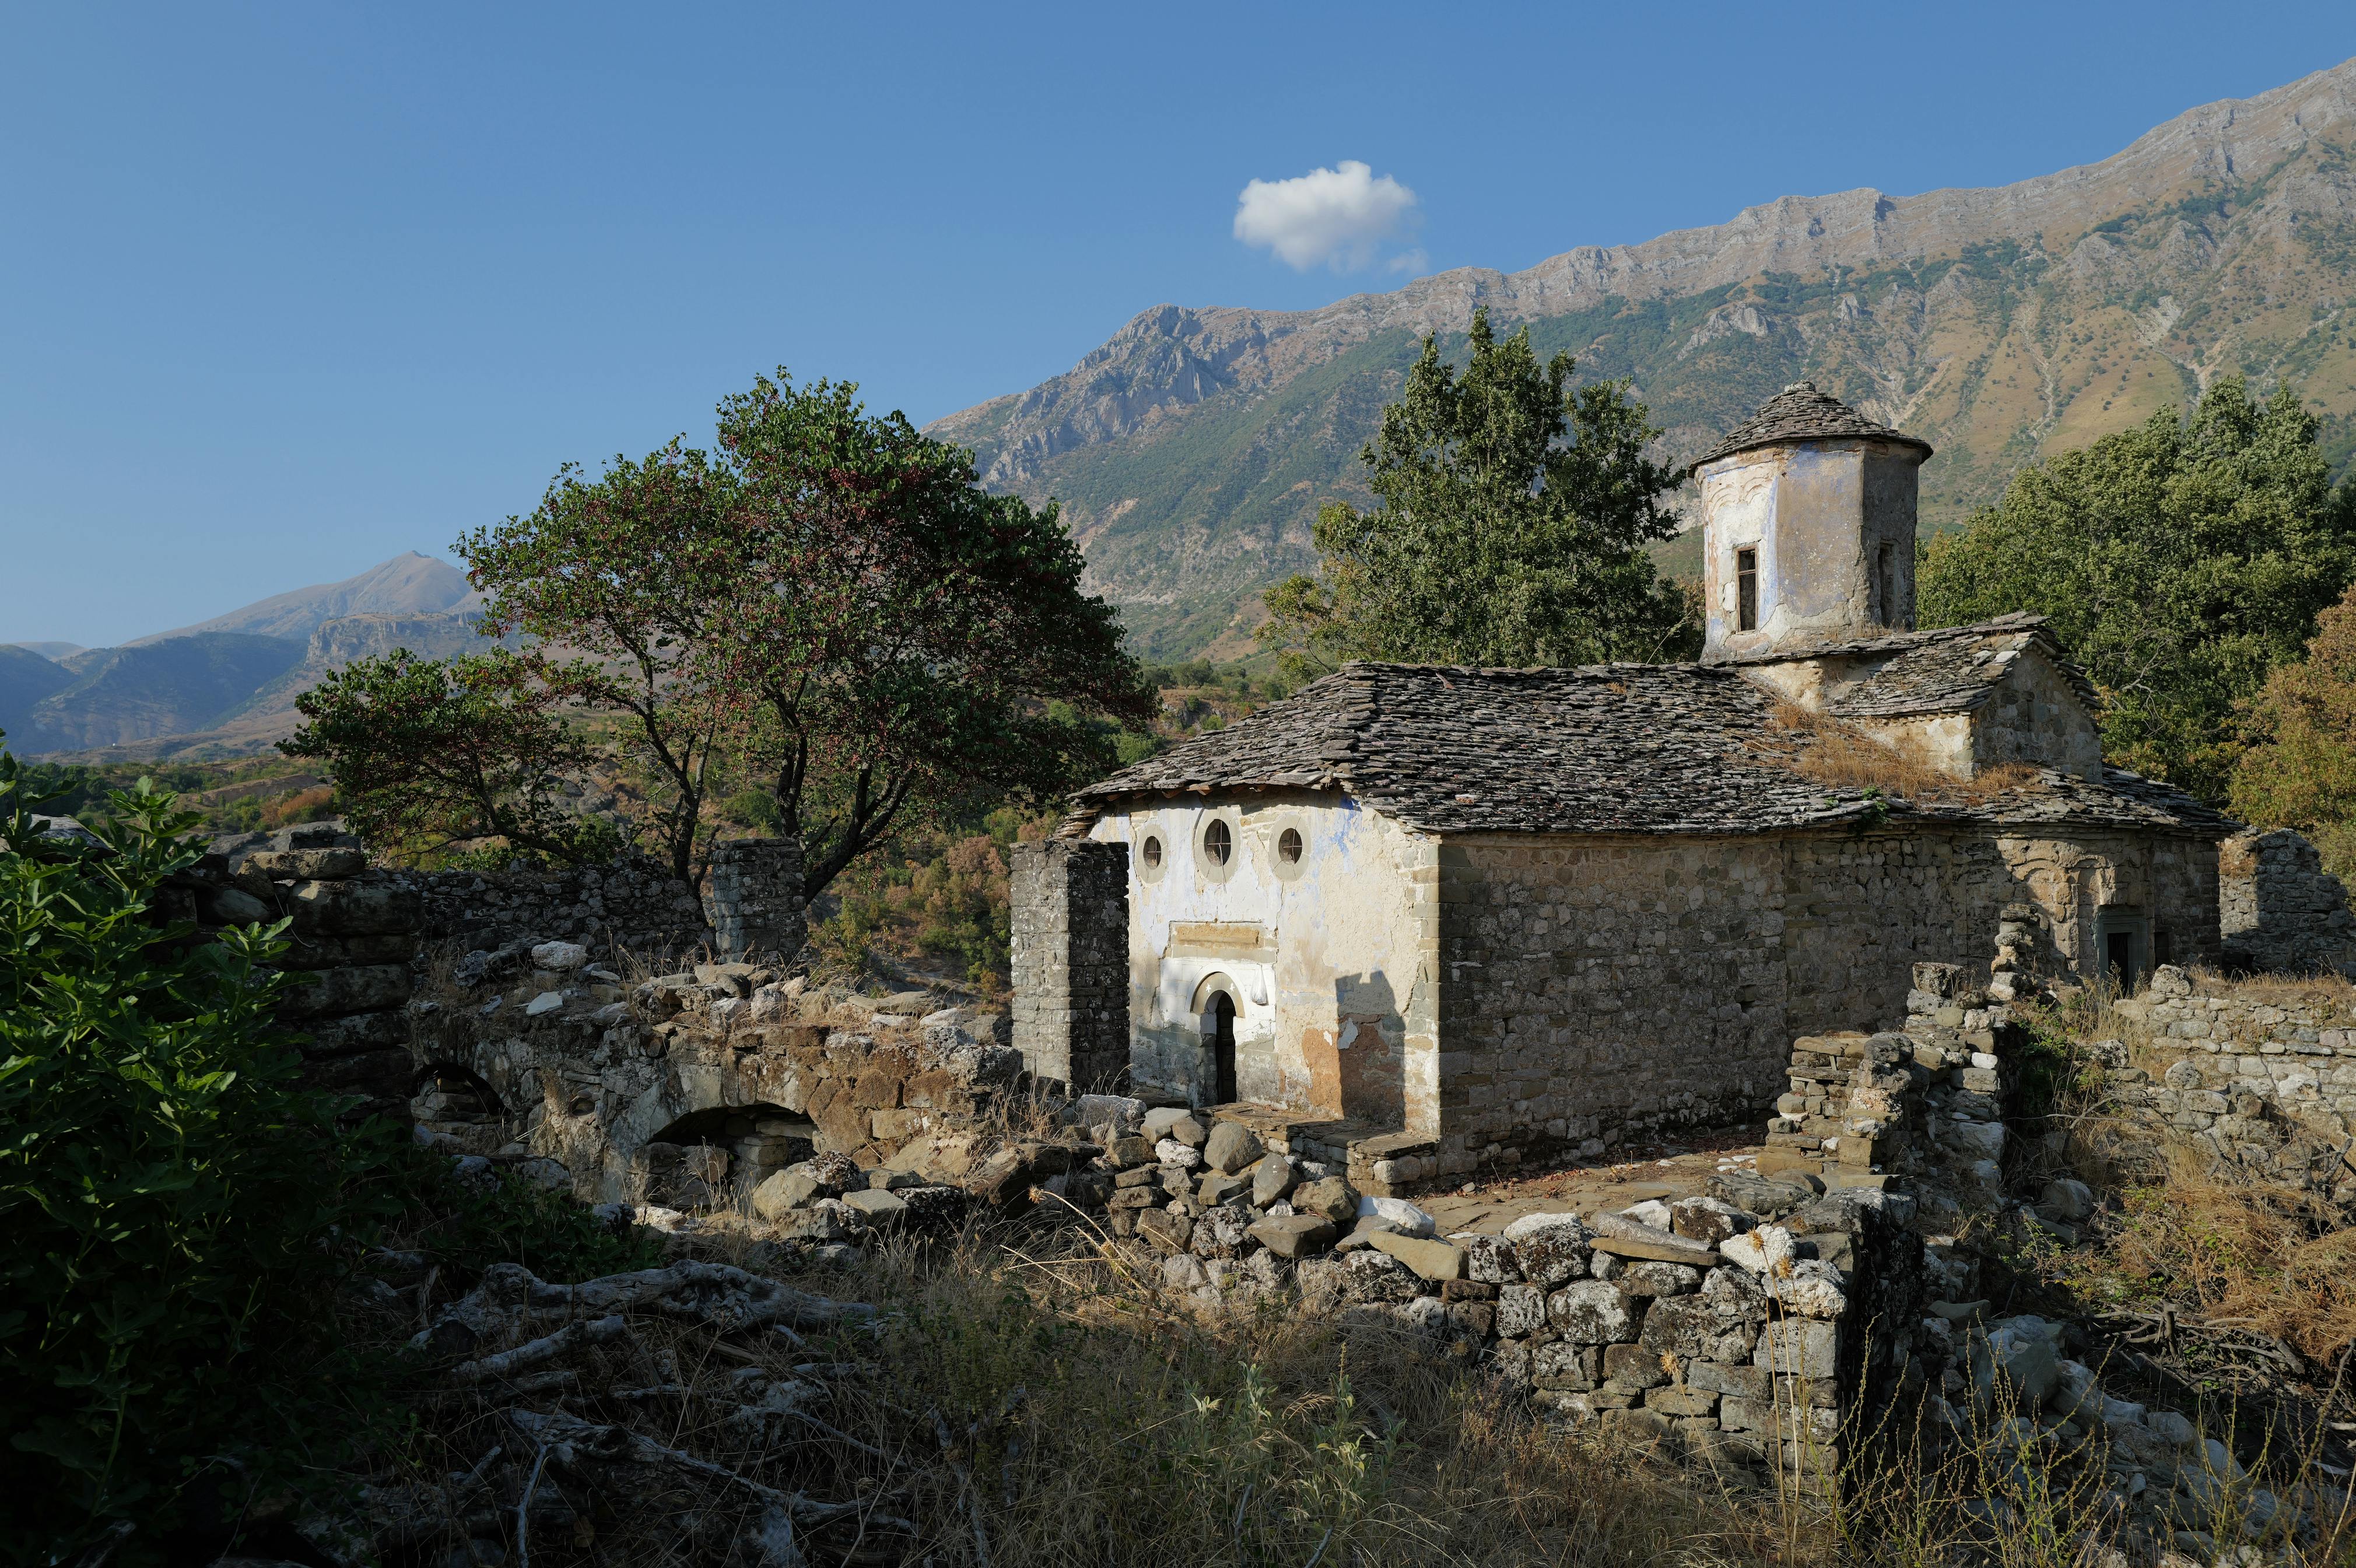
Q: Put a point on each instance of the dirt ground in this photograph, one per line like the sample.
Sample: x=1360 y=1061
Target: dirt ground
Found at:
x=1671 y=1170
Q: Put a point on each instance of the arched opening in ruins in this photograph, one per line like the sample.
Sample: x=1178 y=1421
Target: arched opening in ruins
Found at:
x=708 y=1158
x=452 y=1092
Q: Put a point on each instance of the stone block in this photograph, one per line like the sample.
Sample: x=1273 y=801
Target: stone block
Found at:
x=1801 y=1348
x=1593 y=1312
x=1295 y=1235
x=1677 y=1401
x=1433 y=1260
x=1634 y=1368
x=1521 y=1311
x=1230 y=1147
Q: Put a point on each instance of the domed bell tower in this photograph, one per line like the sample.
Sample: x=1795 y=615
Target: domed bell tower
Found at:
x=1808 y=519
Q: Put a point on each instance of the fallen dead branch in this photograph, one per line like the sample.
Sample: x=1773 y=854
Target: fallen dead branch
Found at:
x=548 y=1347
x=573 y=1444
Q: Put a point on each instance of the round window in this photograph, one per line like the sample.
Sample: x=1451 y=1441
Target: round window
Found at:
x=1218 y=843
x=1152 y=850
x=1288 y=846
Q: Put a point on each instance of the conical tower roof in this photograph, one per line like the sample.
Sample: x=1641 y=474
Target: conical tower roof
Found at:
x=1800 y=413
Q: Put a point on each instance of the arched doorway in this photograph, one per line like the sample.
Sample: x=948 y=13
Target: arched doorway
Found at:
x=1223 y=1047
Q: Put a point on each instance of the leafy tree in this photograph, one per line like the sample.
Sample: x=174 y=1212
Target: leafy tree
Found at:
x=630 y=576
x=431 y=754
x=2180 y=562
x=1514 y=514
x=833 y=599
x=2301 y=768
x=167 y=1189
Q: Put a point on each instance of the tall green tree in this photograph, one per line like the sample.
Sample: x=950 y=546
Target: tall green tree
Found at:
x=2180 y=562
x=828 y=602
x=1514 y=514
x=433 y=754
x=2300 y=768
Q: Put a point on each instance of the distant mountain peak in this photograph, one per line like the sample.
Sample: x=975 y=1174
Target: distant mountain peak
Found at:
x=408 y=584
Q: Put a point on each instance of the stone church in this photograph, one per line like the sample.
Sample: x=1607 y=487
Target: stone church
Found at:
x=1463 y=913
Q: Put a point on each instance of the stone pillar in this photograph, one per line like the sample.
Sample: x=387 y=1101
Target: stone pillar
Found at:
x=1070 y=961
x=354 y=931
x=756 y=900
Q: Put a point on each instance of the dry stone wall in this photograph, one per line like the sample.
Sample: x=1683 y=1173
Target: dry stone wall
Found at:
x=2279 y=909
x=633 y=905
x=354 y=934
x=2266 y=1079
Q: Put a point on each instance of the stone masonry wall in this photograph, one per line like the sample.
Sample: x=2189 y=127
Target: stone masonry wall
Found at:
x=354 y=931
x=1070 y=961
x=1593 y=988
x=633 y=904
x=757 y=898
x=2279 y=909
x=2268 y=1078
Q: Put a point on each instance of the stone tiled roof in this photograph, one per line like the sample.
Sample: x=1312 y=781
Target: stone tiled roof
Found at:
x=1948 y=669
x=1800 y=413
x=1603 y=749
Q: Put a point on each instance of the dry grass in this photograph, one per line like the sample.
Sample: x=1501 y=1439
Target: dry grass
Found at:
x=2322 y=988
x=1841 y=755
x=2222 y=1247
x=1093 y=1417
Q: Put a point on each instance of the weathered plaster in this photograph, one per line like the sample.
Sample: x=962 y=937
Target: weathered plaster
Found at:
x=2031 y=715
x=1325 y=959
x=1833 y=522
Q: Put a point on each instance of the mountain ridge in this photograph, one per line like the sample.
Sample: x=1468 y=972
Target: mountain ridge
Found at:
x=409 y=583
x=1982 y=317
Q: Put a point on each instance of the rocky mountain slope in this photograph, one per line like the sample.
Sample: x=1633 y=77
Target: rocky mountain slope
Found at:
x=224 y=687
x=1192 y=449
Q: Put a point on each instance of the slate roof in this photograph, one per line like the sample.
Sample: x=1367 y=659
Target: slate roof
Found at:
x=1603 y=749
x=1949 y=669
x=1800 y=413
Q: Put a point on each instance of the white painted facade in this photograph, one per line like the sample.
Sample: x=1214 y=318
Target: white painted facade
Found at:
x=1326 y=959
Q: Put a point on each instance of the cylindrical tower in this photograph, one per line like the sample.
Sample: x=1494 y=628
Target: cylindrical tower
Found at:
x=1807 y=524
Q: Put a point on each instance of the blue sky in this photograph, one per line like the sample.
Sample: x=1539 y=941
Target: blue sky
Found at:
x=287 y=290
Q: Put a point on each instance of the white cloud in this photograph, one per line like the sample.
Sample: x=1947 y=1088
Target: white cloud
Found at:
x=1333 y=218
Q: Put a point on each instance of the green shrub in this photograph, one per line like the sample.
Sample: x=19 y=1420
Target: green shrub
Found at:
x=168 y=1192
x=467 y=1227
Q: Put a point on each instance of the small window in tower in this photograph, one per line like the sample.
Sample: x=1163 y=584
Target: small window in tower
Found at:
x=1152 y=850
x=1288 y=845
x=1885 y=583
x=1746 y=590
x=1218 y=843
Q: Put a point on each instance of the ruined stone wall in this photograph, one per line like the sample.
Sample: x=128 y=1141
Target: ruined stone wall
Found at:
x=757 y=898
x=1070 y=961
x=2265 y=1074
x=2278 y=909
x=354 y=934
x=633 y=905
x=595 y=1078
